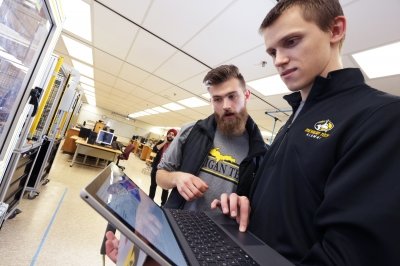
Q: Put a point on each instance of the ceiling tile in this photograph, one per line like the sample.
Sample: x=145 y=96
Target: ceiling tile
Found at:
x=133 y=74
x=134 y=10
x=141 y=93
x=192 y=114
x=251 y=66
x=149 y=52
x=124 y=86
x=195 y=84
x=104 y=77
x=381 y=17
x=155 y=84
x=158 y=100
x=188 y=18
x=179 y=68
x=106 y=37
x=175 y=94
x=205 y=110
x=106 y=62
x=220 y=40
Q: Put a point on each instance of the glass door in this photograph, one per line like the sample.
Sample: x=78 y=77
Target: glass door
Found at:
x=25 y=26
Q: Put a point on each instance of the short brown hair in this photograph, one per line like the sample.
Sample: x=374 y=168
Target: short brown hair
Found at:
x=223 y=73
x=322 y=12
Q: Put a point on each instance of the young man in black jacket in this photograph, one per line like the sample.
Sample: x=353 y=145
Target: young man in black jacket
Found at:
x=328 y=190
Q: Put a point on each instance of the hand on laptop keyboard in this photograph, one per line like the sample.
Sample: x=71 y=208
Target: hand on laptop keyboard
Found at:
x=236 y=206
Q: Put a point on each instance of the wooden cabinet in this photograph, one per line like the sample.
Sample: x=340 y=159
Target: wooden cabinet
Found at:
x=69 y=145
x=146 y=150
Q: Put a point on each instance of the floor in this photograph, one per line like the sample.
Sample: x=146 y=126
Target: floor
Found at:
x=58 y=227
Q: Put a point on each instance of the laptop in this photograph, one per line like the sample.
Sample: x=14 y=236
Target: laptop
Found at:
x=161 y=233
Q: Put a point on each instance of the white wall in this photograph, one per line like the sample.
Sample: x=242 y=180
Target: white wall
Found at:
x=122 y=127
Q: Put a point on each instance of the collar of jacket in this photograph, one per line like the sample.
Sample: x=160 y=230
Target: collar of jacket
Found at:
x=336 y=82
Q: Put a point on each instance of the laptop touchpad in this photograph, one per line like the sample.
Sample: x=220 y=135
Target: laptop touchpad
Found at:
x=243 y=238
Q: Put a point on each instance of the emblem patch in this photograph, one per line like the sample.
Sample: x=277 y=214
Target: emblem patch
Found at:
x=324 y=125
x=320 y=129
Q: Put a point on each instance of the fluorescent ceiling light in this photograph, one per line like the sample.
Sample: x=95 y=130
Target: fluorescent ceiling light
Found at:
x=83 y=68
x=133 y=115
x=91 y=99
x=380 y=62
x=143 y=113
x=88 y=88
x=269 y=86
x=206 y=95
x=78 y=50
x=138 y=114
x=160 y=109
x=78 y=18
x=86 y=80
x=193 y=102
x=151 y=111
x=88 y=93
x=173 y=106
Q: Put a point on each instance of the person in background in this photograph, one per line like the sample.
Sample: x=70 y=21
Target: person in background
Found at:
x=160 y=148
x=328 y=191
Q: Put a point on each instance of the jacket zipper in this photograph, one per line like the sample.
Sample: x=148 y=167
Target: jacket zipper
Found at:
x=280 y=143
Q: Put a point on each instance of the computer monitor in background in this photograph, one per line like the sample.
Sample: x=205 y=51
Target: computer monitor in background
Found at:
x=92 y=137
x=84 y=132
x=104 y=137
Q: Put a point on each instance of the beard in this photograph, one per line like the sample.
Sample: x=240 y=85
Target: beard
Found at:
x=169 y=139
x=232 y=126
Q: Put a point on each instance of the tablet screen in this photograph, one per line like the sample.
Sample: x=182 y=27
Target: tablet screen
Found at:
x=137 y=211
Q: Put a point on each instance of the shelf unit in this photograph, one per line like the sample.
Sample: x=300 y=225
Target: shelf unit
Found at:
x=18 y=172
x=42 y=167
x=45 y=128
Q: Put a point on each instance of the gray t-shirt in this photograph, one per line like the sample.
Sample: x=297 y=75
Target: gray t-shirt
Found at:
x=220 y=169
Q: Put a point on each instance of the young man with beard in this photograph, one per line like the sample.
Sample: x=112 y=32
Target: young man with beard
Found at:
x=328 y=191
x=218 y=154
x=160 y=148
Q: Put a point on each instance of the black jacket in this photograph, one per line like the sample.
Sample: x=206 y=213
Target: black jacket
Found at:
x=328 y=190
x=156 y=159
x=198 y=145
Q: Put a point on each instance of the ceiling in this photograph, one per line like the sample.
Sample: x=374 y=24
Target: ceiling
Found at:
x=147 y=53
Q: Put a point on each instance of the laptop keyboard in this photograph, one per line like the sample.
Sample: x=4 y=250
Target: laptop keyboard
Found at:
x=210 y=244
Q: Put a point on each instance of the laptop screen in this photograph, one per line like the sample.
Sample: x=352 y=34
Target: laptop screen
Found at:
x=138 y=212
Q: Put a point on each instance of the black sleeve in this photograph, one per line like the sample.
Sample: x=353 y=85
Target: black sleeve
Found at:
x=155 y=146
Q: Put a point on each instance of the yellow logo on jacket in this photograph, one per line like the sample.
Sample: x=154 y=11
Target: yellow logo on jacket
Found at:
x=320 y=129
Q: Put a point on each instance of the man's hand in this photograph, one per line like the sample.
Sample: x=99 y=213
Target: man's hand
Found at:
x=238 y=207
x=189 y=186
x=112 y=243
